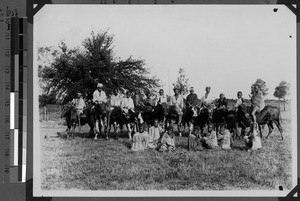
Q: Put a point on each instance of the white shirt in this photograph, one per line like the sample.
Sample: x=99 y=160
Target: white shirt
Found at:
x=115 y=101
x=79 y=103
x=127 y=103
x=163 y=99
x=178 y=101
x=238 y=102
x=99 y=96
x=206 y=100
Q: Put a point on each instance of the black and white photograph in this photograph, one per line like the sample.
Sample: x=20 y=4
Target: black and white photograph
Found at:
x=165 y=100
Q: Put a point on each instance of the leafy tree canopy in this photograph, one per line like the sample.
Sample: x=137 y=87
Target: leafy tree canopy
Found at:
x=281 y=90
x=182 y=82
x=79 y=70
x=261 y=85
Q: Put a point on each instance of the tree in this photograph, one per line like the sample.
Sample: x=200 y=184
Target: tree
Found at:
x=45 y=99
x=182 y=82
x=261 y=85
x=79 y=70
x=45 y=57
x=281 y=91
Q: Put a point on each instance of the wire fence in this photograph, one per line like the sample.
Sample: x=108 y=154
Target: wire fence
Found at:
x=50 y=112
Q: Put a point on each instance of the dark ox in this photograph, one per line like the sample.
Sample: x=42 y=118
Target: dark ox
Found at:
x=69 y=112
x=269 y=115
x=223 y=115
x=149 y=113
x=119 y=118
x=189 y=117
x=202 y=119
x=173 y=115
x=99 y=117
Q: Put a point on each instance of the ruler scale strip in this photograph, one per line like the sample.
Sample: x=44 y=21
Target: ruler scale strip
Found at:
x=14 y=97
x=15 y=100
x=23 y=91
x=20 y=101
x=7 y=125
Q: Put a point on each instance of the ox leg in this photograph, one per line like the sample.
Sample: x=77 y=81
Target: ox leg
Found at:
x=91 y=125
x=243 y=132
x=167 y=123
x=73 y=130
x=191 y=128
x=270 y=126
x=115 y=126
x=96 y=129
x=129 y=131
x=105 y=127
x=180 y=125
x=100 y=128
x=260 y=131
x=279 y=128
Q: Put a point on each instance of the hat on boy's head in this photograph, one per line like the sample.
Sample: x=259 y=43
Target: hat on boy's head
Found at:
x=99 y=85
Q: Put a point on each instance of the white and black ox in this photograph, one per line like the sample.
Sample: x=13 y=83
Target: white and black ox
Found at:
x=119 y=118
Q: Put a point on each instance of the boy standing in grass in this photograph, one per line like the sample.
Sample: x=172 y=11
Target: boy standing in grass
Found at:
x=224 y=137
x=167 y=142
x=209 y=140
x=194 y=140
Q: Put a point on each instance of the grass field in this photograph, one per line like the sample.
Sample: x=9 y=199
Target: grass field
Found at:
x=85 y=164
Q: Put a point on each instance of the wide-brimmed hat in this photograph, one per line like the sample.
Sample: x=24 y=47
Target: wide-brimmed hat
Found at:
x=99 y=85
x=191 y=88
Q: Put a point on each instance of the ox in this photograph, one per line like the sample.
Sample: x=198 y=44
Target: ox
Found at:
x=202 y=119
x=99 y=118
x=119 y=118
x=149 y=113
x=69 y=112
x=269 y=115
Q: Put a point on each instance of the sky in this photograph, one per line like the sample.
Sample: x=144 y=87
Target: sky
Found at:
x=226 y=47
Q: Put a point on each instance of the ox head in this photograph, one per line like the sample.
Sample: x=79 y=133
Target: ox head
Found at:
x=101 y=108
x=128 y=114
x=196 y=110
x=65 y=110
x=162 y=108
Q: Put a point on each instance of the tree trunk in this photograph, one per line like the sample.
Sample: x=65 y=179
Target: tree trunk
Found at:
x=279 y=103
x=283 y=104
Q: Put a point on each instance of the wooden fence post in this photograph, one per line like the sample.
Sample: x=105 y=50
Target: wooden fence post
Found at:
x=45 y=113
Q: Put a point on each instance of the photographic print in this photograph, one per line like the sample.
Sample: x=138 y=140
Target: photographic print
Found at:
x=165 y=100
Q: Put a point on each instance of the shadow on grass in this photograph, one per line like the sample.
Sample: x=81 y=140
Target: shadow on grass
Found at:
x=239 y=147
x=126 y=143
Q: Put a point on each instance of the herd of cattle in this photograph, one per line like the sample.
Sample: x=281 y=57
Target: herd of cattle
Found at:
x=166 y=114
